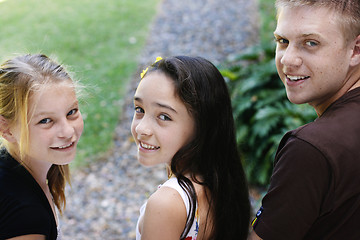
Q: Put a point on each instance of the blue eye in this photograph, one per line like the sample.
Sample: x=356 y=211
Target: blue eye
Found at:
x=311 y=43
x=72 y=112
x=45 y=121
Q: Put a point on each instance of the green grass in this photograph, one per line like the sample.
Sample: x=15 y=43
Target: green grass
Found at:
x=98 y=40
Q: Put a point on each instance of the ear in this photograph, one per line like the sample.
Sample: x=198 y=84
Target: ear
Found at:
x=355 y=58
x=5 y=130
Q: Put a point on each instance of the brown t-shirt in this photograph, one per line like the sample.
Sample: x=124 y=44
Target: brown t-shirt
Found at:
x=315 y=187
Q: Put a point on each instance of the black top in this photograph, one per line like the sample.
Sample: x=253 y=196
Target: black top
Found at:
x=24 y=207
x=315 y=186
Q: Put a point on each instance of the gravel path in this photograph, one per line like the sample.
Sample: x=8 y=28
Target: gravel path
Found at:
x=104 y=199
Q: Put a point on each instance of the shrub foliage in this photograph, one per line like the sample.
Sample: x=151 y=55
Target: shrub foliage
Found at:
x=262 y=112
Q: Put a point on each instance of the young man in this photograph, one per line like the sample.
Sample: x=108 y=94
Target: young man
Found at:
x=315 y=187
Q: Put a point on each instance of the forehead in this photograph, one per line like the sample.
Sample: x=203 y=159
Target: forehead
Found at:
x=51 y=95
x=307 y=20
x=157 y=89
x=156 y=85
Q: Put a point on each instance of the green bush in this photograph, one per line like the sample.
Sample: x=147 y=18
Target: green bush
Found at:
x=262 y=112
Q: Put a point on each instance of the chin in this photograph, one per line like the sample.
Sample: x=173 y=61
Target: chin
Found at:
x=62 y=163
x=295 y=100
x=146 y=163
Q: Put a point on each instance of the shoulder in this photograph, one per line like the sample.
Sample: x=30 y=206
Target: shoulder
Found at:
x=22 y=218
x=174 y=184
x=23 y=209
x=300 y=181
x=333 y=134
x=13 y=176
x=295 y=146
x=300 y=164
x=168 y=202
x=165 y=215
x=336 y=122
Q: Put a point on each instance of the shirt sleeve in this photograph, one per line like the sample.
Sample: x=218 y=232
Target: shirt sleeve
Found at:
x=299 y=184
x=17 y=219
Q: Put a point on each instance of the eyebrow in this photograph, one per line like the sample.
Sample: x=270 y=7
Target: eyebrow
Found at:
x=45 y=113
x=305 y=35
x=157 y=104
x=166 y=106
x=310 y=34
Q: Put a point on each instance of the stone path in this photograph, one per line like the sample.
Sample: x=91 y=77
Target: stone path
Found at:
x=105 y=198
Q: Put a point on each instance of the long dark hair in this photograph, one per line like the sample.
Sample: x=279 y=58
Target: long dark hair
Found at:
x=212 y=154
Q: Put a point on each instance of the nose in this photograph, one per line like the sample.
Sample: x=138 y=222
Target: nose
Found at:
x=143 y=127
x=66 y=129
x=290 y=57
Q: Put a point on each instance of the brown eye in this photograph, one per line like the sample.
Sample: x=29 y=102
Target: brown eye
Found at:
x=164 y=117
x=281 y=40
x=139 y=110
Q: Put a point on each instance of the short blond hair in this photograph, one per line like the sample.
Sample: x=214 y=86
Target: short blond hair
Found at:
x=347 y=13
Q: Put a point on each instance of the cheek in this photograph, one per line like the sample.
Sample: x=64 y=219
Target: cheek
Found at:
x=184 y=137
x=132 y=128
x=42 y=139
x=35 y=135
x=190 y=133
x=332 y=70
x=279 y=66
x=80 y=126
x=278 y=56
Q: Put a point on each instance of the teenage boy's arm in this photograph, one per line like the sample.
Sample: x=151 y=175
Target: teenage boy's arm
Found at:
x=298 y=185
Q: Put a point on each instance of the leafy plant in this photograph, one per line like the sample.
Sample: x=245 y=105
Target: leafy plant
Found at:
x=262 y=112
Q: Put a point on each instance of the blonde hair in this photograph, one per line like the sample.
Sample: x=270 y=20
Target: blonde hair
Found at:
x=347 y=13
x=19 y=78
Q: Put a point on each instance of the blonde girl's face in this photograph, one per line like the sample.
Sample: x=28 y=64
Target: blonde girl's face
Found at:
x=161 y=124
x=55 y=126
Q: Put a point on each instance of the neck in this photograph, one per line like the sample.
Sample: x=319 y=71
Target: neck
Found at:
x=351 y=82
x=355 y=85
x=38 y=169
x=39 y=172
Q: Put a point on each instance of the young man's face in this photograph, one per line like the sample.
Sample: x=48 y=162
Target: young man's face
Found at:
x=312 y=57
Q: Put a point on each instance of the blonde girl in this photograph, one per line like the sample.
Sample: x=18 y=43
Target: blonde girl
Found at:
x=40 y=126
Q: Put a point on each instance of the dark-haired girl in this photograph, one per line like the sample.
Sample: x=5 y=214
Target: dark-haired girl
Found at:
x=183 y=119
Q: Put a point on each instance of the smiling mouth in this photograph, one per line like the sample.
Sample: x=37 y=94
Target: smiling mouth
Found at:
x=296 y=78
x=148 y=147
x=64 y=147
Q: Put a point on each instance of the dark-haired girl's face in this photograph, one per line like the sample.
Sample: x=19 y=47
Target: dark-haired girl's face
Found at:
x=161 y=123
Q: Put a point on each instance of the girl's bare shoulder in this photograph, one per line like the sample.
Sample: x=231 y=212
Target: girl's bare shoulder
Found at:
x=165 y=215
